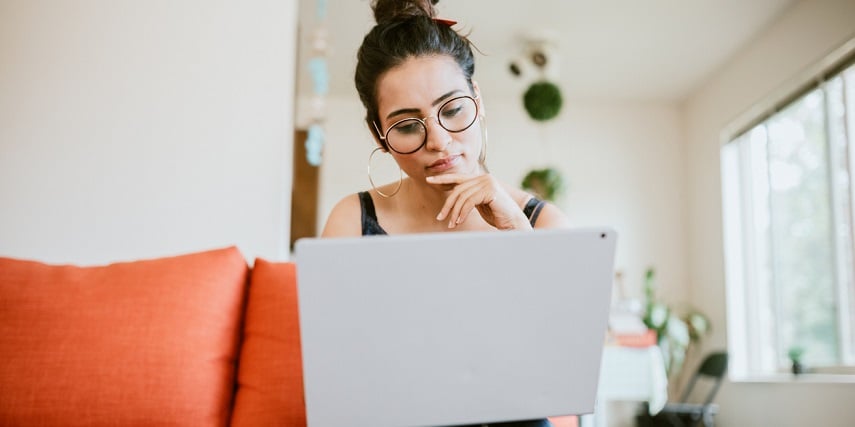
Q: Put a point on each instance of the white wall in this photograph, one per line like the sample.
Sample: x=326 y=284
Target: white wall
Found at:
x=801 y=37
x=135 y=129
x=622 y=164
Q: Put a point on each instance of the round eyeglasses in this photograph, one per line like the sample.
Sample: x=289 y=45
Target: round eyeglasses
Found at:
x=408 y=135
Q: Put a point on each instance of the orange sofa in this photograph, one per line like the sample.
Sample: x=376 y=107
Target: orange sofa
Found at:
x=192 y=340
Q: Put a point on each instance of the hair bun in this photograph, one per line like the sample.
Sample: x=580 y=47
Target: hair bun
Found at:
x=395 y=10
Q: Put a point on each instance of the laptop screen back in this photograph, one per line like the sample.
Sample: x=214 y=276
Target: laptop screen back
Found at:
x=453 y=328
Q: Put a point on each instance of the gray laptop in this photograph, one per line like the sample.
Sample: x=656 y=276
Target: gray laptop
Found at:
x=453 y=328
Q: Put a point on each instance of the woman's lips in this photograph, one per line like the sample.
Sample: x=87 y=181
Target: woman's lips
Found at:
x=443 y=164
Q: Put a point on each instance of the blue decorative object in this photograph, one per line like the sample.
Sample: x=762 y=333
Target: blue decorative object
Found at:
x=320 y=76
x=314 y=144
x=321 y=9
x=318 y=71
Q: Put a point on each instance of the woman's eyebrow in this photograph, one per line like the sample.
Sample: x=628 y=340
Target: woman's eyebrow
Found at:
x=444 y=97
x=416 y=110
x=403 y=111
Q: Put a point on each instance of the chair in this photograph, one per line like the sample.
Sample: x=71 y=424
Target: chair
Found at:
x=684 y=413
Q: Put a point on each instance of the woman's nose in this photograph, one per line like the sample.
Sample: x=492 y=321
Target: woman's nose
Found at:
x=437 y=137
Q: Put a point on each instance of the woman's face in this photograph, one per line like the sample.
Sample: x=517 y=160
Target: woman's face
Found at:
x=416 y=89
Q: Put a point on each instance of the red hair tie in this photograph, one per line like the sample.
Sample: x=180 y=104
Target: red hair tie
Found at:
x=446 y=22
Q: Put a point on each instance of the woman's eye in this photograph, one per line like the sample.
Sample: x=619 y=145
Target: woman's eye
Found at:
x=408 y=128
x=452 y=111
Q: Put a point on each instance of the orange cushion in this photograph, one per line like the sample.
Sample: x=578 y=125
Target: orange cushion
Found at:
x=270 y=376
x=567 y=421
x=138 y=343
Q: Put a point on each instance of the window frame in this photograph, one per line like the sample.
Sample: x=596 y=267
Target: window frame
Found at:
x=740 y=253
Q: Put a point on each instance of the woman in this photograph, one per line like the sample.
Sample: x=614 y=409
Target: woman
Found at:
x=414 y=77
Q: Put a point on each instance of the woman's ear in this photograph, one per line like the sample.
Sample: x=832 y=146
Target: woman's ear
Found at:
x=482 y=111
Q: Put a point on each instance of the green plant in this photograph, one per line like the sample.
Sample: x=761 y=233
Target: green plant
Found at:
x=674 y=333
x=546 y=184
x=542 y=100
x=795 y=353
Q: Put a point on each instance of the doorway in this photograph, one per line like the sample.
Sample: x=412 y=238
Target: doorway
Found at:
x=304 y=192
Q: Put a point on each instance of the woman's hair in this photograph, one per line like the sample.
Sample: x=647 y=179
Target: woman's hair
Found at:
x=405 y=29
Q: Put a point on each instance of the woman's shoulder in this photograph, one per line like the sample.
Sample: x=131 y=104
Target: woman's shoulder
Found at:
x=519 y=195
x=549 y=215
x=552 y=217
x=345 y=219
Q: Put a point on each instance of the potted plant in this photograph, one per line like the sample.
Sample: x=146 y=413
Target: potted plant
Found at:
x=542 y=101
x=674 y=333
x=795 y=354
x=546 y=184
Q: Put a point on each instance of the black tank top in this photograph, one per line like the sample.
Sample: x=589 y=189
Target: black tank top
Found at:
x=371 y=227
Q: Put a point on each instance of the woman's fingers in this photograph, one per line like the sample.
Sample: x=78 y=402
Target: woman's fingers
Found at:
x=467 y=196
x=452 y=200
x=480 y=192
x=465 y=202
x=451 y=178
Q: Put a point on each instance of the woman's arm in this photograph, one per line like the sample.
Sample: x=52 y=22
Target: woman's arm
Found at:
x=552 y=217
x=345 y=220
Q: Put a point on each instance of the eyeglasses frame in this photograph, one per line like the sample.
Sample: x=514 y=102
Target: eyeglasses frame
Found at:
x=423 y=121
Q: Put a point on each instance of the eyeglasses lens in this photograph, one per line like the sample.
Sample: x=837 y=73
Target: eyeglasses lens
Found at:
x=456 y=115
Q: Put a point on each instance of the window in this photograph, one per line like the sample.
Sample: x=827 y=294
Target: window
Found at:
x=788 y=198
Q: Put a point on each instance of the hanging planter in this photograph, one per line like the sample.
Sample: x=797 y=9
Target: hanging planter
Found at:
x=542 y=100
x=546 y=184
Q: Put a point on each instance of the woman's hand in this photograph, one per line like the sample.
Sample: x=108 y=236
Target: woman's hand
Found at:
x=482 y=192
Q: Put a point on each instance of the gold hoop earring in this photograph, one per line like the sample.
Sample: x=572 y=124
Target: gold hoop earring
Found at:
x=371 y=180
x=482 y=158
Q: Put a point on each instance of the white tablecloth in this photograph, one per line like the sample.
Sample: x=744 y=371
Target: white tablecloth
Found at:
x=630 y=374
